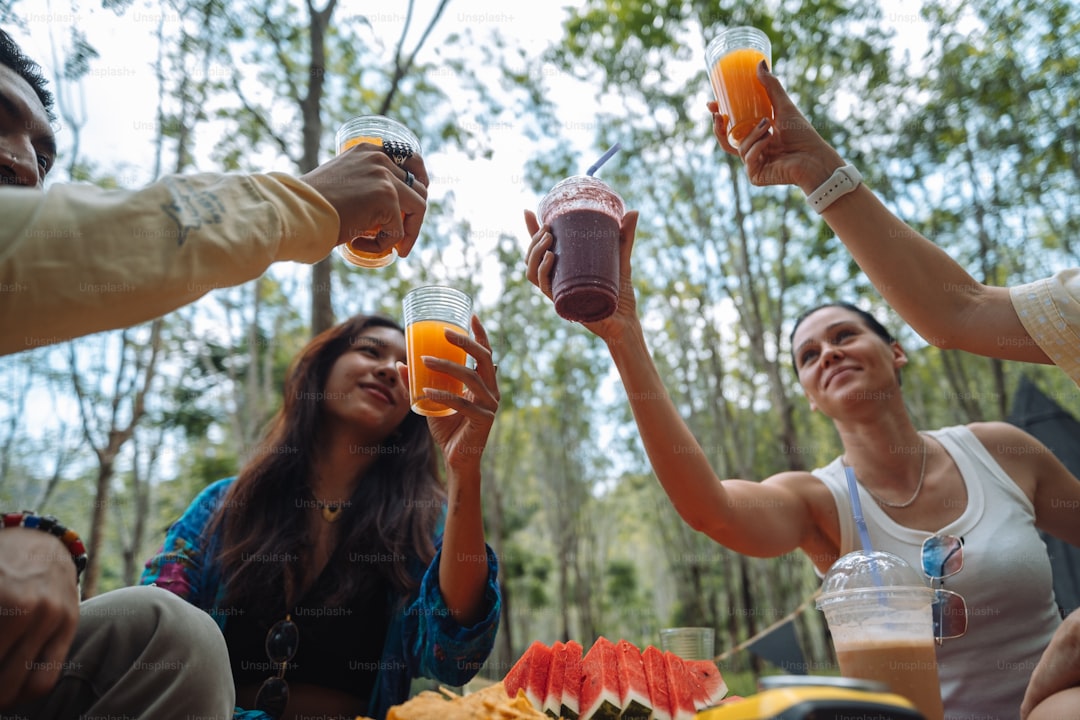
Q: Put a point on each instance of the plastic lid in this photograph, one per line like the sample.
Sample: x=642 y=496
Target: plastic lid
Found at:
x=870 y=571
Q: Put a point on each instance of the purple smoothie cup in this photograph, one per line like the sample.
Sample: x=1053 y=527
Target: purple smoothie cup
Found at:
x=584 y=215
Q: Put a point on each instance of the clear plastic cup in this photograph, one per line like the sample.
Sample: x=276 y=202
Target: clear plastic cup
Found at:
x=732 y=58
x=430 y=311
x=689 y=643
x=879 y=614
x=584 y=215
x=399 y=143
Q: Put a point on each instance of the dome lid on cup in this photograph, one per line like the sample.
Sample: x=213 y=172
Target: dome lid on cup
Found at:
x=874 y=571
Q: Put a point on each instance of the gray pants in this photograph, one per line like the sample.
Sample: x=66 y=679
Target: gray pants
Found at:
x=140 y=652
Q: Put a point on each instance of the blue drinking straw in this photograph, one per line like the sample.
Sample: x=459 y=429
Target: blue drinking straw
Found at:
x=603 y=159
x=860 y=521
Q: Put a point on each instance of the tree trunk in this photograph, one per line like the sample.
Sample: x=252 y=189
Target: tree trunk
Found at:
x=322 y=308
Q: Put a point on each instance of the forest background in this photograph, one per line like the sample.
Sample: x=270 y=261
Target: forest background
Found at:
x=962 y=114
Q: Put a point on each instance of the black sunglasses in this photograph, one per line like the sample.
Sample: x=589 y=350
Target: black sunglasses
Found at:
x=942 y=557
x=282 y=641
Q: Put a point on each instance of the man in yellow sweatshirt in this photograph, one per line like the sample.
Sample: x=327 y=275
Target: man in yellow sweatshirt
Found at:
x=75 y=260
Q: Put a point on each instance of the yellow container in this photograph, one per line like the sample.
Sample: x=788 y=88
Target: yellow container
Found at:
x=799 y=697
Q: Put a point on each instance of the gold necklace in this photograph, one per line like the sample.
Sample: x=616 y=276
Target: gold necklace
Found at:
x=918 y=488
x=331 y=511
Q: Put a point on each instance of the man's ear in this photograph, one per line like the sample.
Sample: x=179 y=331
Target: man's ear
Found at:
x=900 y=358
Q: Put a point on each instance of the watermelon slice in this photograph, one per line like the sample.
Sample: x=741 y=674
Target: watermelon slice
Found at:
x=709 y=685
x=656 y=676
x=633 y=687
x=517 y=676
x=600 y=684
x=572 y=678
x=530 y=673
x=553 y=698
x=680 y=687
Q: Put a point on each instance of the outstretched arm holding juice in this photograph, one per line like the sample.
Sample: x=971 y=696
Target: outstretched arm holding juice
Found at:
x=948 y=307
x=848 y=366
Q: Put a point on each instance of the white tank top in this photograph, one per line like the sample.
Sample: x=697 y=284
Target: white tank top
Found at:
x=1006 y=579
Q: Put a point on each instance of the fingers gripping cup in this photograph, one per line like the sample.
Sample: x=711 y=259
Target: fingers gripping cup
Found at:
x=732 y=59
x=584 y=215
x=429 y=312
x=879 y=614
x=400 y=144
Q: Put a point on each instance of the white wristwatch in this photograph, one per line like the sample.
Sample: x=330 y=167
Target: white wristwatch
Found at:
x=843 y=181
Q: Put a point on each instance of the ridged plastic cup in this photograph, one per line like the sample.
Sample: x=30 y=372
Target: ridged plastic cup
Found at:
x=377 y=130
x=879 y=615
x=732 y=58
x=584 y=215
x=689 y=643
x=430 y=311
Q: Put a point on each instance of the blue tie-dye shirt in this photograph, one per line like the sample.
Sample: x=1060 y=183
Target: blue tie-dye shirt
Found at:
x=423 y=639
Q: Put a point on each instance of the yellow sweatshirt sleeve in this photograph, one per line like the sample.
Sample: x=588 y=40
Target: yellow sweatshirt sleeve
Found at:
x=78 y=259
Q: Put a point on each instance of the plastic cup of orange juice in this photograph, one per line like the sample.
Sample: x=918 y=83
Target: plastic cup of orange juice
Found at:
x=430 y=311
x=732 y=59
x=399 y=143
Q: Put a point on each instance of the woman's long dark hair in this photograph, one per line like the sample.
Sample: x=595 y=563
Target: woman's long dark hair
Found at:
x=388 y=524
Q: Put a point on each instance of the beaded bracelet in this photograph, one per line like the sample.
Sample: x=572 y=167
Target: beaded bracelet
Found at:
x=49 y=524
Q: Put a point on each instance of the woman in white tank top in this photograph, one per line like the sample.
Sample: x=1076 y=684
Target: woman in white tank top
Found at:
x=990 y=483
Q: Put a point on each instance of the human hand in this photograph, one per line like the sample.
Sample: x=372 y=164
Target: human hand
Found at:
x=39 y=597
x=369 y=190
x=1059 y=667
x=784 y=151
x=463 y=436
x=540 y=263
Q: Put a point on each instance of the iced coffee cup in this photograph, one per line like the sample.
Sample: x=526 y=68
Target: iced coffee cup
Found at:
x=400 y=144
x=879 y=615
x=584 y=215
x=732 y=59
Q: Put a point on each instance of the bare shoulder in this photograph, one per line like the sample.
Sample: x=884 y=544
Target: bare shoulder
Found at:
x=810 y=489
x=1018 y=453
x=802 y=483
x=1002 y=438
x=822 y=545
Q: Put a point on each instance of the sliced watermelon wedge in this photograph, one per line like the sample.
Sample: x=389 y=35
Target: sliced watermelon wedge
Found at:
x=710 y=687
x=536 y=678
x=656 y=676
x=633 y=687
x=518 y=675
x=553 y=698
x=572 y=678
x=680 y=687
x=600 y=683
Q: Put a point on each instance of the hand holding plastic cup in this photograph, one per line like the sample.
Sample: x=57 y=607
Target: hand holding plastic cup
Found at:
x=400 y=144
x=879 y=614
x=689 y=643
x=732 y=59
x=584 y=215
x=429 y=312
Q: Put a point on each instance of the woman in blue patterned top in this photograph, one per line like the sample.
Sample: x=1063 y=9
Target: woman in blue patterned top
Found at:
x=337 y=563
